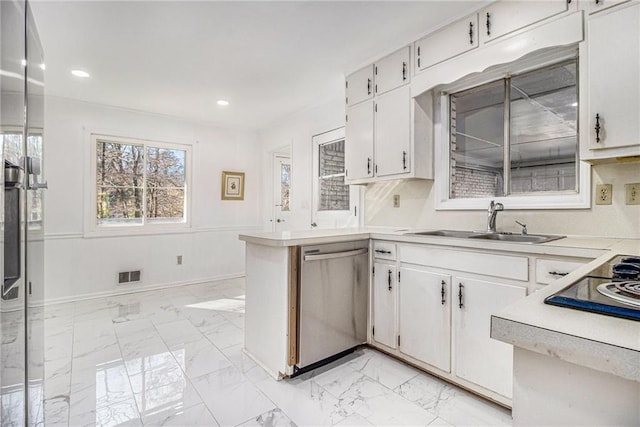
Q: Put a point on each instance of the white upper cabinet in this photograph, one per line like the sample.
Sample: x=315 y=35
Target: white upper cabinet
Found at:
x=392 y=71
x=452 y=40
x=504 y=17
x=614 y=79
x=359 y=86
x=598 y=5
x=392 y=134
x=359 y=141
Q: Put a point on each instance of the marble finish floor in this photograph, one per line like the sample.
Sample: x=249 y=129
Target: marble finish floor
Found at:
x=174 y=357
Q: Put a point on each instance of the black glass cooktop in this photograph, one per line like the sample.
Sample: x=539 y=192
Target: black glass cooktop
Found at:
x=611 y=289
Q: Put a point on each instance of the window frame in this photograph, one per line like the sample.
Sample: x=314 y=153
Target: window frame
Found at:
x=145 y=227
x=579 y=199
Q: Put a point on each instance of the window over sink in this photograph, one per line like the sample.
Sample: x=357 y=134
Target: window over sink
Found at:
x=515 y=138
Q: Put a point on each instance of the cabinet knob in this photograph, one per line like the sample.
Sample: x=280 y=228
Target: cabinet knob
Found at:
x=404 y=71
x=442 y=293
x=460 y=286
x=389 y=279
x=471 y=33
x=597 y=127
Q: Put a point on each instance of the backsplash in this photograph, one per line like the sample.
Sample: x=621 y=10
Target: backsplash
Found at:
x=417 y=209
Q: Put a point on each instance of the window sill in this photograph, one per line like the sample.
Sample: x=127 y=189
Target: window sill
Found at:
x=132 y=230
x=565 y=201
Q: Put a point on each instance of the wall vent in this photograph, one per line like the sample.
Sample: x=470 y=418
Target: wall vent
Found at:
x=129 y=277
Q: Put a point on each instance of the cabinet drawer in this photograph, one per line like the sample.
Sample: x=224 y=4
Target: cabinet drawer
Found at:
x=505 y=266
x=548 y=270
x=598 y=5
x=384 y=250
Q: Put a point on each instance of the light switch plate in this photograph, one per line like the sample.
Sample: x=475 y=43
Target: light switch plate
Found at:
x=603 y=194
x=396 y=200
x=632 y=194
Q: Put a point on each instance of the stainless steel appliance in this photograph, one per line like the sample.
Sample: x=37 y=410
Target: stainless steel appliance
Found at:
x=612 y=289
x=333 y=302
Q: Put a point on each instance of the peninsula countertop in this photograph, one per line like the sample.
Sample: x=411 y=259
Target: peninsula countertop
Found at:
x=604 y=343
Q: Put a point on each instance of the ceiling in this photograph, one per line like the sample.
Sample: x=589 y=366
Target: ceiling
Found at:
x=268 y=59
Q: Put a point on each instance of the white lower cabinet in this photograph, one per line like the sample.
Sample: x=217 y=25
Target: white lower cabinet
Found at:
x=425 y=316
x=478 y=358
x=385 y=303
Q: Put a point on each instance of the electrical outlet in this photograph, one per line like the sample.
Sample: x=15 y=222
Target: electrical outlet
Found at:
x=632 y=194
x=396 y=200
x=603 y=194
x=179 y=259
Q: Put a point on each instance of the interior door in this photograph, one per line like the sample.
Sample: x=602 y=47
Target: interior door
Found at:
x=281 y=218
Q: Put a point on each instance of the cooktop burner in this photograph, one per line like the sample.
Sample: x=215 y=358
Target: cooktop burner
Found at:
x=624 y=292
x=612 y=289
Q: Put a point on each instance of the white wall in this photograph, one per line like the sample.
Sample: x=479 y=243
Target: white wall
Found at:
x=297 y=131
x=78 y=265
x=417 y=209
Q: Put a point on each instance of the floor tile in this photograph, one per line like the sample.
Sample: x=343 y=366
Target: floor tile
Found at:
x=230 y=397
x=195 y=416
x=199 y=358
x=175 y=357
x=274 y=418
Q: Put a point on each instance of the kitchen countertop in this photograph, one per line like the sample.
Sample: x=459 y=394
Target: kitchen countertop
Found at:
x=604 y=343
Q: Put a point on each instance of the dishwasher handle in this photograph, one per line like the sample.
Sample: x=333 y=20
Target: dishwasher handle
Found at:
x=332 y=255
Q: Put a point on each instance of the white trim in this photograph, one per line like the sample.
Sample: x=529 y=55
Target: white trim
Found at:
x=141 y=233
x=136 y=289
x=91 y=227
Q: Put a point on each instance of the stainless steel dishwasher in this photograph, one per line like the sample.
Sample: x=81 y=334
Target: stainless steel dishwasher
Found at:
x=334 y=293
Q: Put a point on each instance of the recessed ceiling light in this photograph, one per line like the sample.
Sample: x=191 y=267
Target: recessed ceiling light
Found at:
x=23 y=62
x=79 y=73
x=222 y=102
x=43 y=67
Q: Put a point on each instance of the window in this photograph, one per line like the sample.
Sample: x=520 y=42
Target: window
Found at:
x=140 y=182
x=335 y=204
x=334 y=194
x=516 y=136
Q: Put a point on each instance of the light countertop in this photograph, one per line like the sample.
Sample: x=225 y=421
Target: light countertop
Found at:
x=604 y=343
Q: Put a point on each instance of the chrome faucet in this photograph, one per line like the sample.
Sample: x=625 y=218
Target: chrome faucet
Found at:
x=493 y=210
x=524 y=227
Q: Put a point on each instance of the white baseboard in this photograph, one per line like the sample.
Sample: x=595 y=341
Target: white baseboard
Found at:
x=143 y=288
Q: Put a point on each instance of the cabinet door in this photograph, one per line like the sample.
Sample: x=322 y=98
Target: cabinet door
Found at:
x=359 y=86
x=385 y=304
x=614 y=77
x=478 y=358
x=504 y=17
x=392 y=71
x=452 y=40
x=598 y=5
x=393 y=132
x=359 y=141
x=424 y=311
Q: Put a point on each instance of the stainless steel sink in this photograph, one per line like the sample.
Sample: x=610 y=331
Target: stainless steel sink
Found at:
x=504 y=237
x=448 y=233
x=522 y=238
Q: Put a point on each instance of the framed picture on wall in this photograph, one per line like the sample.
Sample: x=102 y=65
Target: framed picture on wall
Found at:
x=232 y=185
